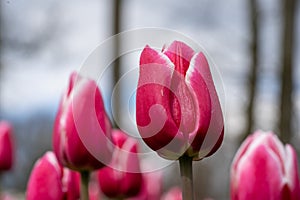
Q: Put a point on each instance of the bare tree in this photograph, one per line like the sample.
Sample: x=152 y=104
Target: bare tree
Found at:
x=252 y=76
x=117 y=12
x=286 y=104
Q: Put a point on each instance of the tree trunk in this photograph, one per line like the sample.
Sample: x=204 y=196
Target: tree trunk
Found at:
x=252 y=77
x=286 y=104
x=117 y=11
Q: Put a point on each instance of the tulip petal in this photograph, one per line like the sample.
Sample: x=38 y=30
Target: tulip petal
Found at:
x=182 y=102
x=109 y=182
x=255 y=167
x=91 y=123
x=153 y=114
x=291 y=170
x=210 y=126
x=241 y=152
x=180 y=54
x=71 y=184
x=45 y=179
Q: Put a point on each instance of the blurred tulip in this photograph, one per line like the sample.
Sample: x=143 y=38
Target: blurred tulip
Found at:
x=7 y=196
x=151 y=188
x=177 y=107
x=94 y=191
x=264 y=168
x=174 y=193
x=49 y=180
x=82 y=130
x=122 y=178
x=6 y=146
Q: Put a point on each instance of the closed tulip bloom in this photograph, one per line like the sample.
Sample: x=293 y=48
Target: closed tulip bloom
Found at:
x=177 y=107
x=50 y=181
x=81 y=137
x=6 y=146
x=264 y=168
x=122 y=178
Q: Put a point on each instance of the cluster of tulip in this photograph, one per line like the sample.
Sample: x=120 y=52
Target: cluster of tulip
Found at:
x=82 y=130
x=178 y=115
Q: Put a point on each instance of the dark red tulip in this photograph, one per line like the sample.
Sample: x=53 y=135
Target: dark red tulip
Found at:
x=177 y=107
x=6 y=146
x=82 y=130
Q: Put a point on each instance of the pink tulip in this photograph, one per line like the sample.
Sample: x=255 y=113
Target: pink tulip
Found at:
x=82 y=130
x=177 y=107
x=122 y=178
x=264 y=168
x=174 y=193
x=49 y=180
x=6 y=146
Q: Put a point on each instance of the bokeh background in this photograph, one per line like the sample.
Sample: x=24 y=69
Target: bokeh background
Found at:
x=254 y=44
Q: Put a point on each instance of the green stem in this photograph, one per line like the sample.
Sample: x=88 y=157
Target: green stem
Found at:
x=186 y=171
x=84 y=185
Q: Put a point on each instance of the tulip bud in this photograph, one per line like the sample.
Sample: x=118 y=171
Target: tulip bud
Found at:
x=122 y=178
x=177 y=107
x=49 y=180
x=6 y=146
x=174 y=193
x=81 y=136
x=264 y=168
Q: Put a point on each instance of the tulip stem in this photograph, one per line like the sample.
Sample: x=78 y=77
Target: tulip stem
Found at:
x=186 y=171
x=84 y=185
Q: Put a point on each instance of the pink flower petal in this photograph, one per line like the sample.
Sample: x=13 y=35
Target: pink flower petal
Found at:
x=153 y=114
x=210 y=127
x=45 y=179
x=180 y=54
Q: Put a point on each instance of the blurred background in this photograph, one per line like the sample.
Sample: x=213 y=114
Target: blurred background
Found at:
x=255 y=45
